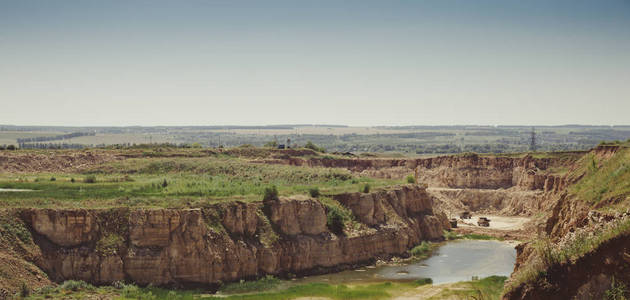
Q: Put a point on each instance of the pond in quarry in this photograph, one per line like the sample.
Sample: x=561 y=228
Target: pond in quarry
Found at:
x=452 y=262
x=15 y=190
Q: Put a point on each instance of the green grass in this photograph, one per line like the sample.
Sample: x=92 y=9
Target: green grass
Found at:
x=423 y=250
x=375 y=291
x=367 y=291
x=603 y=178
x=109 y=244
x=140 y=182
x=452 y=235
x=263 y=284
x=13 y=226
x=488 y=288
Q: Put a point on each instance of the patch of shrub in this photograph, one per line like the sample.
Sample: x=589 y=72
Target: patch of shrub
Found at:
x=271 y=144
x=335 y=221
x=411 y=179
x=72 y=180
x=270 y=193
x=53 y=178
x=76 y=285
x=90 y=179
x=421 y=250
x=14 y=227
x=164 y=183
x=424 y=281
x=450 y=235
x=617 y=291
x=366 y=188
x=314 y=192
x=310 y=145
x=130 y=290
x=266 y=283
x=109 y=244
x=24 y=290
x=337 y=216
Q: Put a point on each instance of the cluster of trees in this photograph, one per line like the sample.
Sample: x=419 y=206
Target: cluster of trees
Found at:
x=54 y=138
x=7 y=147
x=52 y=146
x=149 y=146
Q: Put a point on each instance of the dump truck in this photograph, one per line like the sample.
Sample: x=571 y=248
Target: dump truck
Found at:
x=465 y=215
x=483 y=221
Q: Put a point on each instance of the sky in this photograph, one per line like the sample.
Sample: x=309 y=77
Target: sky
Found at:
x=361 y=63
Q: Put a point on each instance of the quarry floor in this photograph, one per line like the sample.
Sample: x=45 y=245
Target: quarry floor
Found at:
x=511 y=228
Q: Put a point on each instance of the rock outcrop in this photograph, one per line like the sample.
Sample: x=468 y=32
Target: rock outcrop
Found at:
x=227 y=241
x=575 y=221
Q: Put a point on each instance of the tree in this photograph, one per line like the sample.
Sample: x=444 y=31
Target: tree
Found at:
x=310 y=145
x=271 y=144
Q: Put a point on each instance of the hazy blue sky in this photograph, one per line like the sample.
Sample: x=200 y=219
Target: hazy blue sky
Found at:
x=344 y=62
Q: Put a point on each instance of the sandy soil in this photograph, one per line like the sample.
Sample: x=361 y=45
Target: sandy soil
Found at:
x=496 y=222
x=504 y=227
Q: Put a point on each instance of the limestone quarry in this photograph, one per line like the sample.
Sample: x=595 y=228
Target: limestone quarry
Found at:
x=206 y=244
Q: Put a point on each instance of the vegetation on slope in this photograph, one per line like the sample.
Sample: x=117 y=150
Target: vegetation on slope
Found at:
x=604 y=179
x=175 y=182
x=487 y=288
x=604 y=183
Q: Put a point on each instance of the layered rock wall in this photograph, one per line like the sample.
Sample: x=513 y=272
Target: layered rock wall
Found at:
x=227 y=241
x=456 y=171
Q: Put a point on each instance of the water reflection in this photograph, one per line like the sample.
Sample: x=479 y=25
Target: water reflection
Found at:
x=454 y=261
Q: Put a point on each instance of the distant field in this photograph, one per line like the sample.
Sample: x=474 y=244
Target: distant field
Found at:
x=124 y=138
x=406 y=140
x=9 y=137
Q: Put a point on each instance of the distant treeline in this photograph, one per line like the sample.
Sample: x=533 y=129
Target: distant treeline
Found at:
x=148 y=146
x=115 y=146
x=54 y=138
x=52 y=146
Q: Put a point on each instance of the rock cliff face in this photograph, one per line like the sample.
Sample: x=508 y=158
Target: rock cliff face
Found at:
x=456 y=171
x=227 y=241
x=589 y=275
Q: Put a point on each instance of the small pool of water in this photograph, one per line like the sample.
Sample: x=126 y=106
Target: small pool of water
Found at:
x=452 y=262
x=15 y=190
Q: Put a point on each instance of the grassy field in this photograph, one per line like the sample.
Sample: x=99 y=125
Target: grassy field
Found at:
x=398 y=139
x=487 y=288
x=174 y=182
x=604 y=178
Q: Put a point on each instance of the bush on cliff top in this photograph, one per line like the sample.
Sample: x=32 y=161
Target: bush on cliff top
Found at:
x=270 y=193
x=314 y=192
x=337 y=216
x=335 y=221
x=310 y=145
